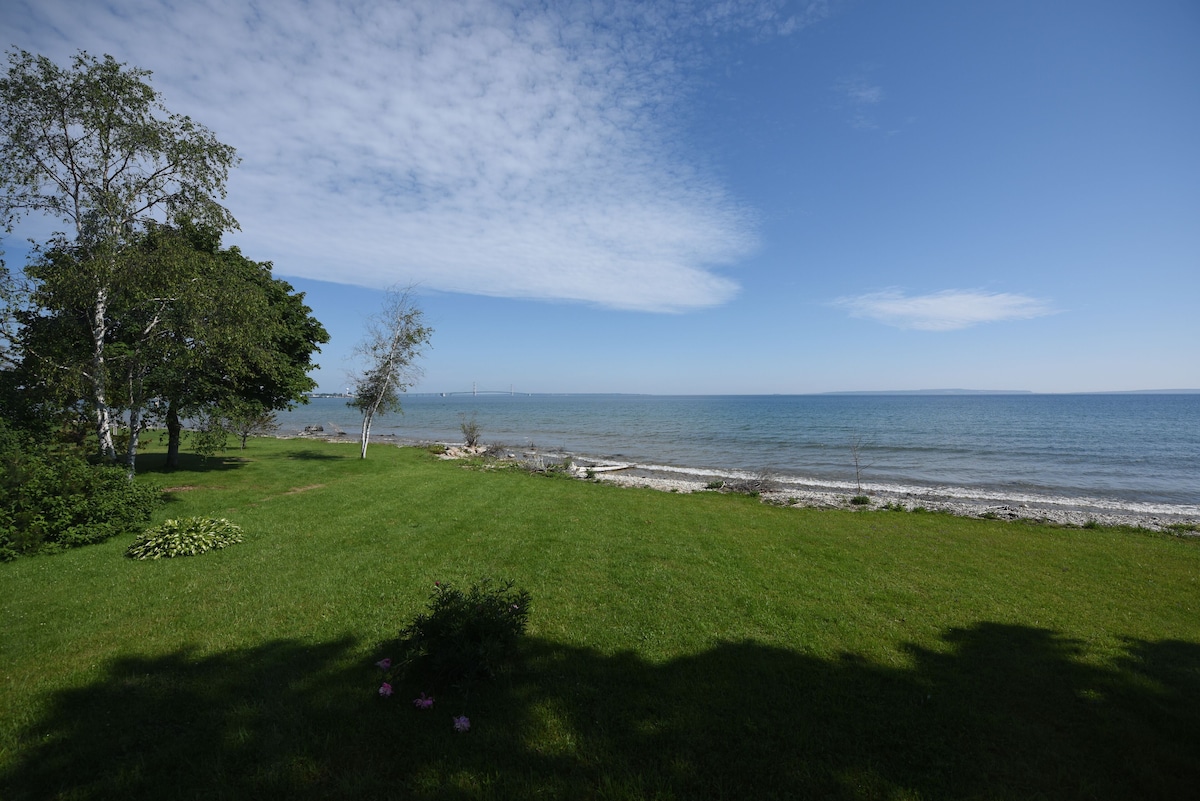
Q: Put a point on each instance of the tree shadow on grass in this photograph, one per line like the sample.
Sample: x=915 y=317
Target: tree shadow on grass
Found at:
x=318 y=456
x=188 y=463
x=1000 y=711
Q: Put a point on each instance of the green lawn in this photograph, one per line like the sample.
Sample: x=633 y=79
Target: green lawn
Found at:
x=680 y=646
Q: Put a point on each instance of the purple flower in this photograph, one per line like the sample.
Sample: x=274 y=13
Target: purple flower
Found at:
x=385 y=689
x=384 y=664
x=462 y=723
x=423 y=701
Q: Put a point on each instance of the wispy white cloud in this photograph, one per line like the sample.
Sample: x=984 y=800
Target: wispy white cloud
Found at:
x=861 y=96
x=948 y=310
x=497 y=148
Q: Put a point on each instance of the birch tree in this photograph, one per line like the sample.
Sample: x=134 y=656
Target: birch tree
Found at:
x=395 y=338
x=11 y=301
x=203 y=332
x=93 y=147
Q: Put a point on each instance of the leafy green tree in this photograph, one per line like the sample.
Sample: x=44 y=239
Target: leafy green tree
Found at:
x=10 y=304
x=93 y=147
x=205 y=333
x=159 y=276
x=395 y=338
x=242 y=346
x=246 y=424
x=17 y=404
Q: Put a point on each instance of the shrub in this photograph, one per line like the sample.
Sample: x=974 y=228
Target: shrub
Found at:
x=470 y=430
x=191 y=536
x=52 y=498
x=469 y=635
x=860 y=500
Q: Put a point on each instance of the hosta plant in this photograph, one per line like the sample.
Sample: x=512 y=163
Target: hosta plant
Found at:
x=187 y=537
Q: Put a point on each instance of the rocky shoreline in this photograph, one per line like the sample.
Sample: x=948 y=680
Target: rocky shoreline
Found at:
x=1068 y=512
x=990 y=508
x=1065 y=512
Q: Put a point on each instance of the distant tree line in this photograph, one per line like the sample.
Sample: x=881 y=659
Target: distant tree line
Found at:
x=133 y=315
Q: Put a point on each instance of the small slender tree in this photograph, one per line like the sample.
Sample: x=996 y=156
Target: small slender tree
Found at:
x=395 y=338
x=857 y=447
x=251 y=423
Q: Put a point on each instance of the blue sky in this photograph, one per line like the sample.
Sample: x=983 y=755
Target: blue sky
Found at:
x=705 y=197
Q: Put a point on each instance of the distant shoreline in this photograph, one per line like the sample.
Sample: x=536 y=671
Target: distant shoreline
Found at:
x=867 y=392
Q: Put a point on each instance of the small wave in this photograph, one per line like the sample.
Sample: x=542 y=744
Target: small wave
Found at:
x=941 y=491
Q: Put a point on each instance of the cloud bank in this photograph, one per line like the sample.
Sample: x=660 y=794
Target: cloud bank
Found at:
x=949 y=310
x=498 y=148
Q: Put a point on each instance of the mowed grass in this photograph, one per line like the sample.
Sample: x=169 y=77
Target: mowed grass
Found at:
x=680 y=647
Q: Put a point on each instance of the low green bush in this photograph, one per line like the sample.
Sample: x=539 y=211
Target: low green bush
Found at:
x=51 y=498
x=860 y=500
x=191 y=536
x=466 y=635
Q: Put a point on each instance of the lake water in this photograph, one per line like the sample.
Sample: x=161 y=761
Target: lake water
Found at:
x=1121 y=449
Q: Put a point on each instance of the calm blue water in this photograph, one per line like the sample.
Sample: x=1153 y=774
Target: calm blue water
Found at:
x=1142 y=449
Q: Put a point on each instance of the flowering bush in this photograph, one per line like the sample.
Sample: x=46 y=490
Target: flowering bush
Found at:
x=467 y=635
x=463 y=636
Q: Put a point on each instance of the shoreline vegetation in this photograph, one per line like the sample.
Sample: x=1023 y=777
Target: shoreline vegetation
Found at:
x=781 y=490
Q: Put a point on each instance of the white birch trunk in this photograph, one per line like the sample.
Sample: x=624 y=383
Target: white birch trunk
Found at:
x=366 y=431
x=104 y=421
x=135 y=425
x=136 y=403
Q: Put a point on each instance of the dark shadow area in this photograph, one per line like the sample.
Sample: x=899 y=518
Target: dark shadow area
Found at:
x=1000 y=712
x=317 y=456
x=188 y=463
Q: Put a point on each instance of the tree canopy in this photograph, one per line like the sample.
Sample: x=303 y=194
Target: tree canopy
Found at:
x=241 y=346
x=202 y=332
x=93 y=147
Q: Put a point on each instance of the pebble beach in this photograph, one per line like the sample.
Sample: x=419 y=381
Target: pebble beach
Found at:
x=1076 y=512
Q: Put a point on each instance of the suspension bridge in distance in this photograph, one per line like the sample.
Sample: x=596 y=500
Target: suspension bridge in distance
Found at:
x=474 y=391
